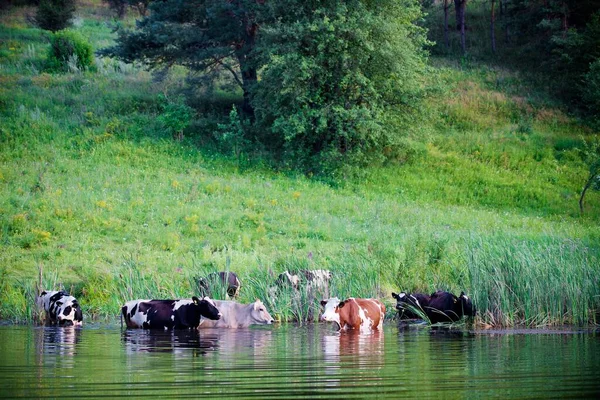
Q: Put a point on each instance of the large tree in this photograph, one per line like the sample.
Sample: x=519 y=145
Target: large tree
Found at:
x=331 y=71
x=206 y=36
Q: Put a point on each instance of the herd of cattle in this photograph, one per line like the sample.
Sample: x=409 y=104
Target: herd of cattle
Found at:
x=353 y=313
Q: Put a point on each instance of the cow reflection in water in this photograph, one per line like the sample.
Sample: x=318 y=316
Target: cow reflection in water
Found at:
x=353 y=343
x=235 y=343
x=228 y=342
x=176 y=341
x=351 y=348
x=60 y=341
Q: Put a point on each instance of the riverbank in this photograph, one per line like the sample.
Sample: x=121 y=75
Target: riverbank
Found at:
x=108 y=206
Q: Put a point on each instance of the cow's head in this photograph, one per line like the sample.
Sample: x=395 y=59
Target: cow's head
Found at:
x=286 y=279
x=331 y=306
x=68 y=311
x=400 y=300
x=466 y=305
x=207 y=308
x=259 y=314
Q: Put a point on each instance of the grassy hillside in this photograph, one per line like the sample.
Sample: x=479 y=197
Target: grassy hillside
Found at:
x=96 y=195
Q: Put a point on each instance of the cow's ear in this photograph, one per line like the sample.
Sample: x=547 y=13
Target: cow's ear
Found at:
x=323 y=303
x=462 y=294
x=196 y=300
x=341 y=304
x=395 y=295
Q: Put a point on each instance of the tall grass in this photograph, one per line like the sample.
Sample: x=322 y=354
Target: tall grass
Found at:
x=522 y=281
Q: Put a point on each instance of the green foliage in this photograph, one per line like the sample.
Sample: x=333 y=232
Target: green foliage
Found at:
x=175 y=116
x=54 y=15
x=551 y=42
x=211 y=37
x=232 y=136
x=591 y=90
x=69 y=51
x=591 y=156
x=330 y=72
x=93 y=189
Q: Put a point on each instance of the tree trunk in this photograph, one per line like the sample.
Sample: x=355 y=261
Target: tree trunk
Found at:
x=493 y=27
x=506 y=31
x=585 y=188
x=459 y=9
x=446 y=37
x=247 y=67
x=463 y=43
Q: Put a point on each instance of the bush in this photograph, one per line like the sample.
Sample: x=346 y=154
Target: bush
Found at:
x=54 y=15
x=69 y=50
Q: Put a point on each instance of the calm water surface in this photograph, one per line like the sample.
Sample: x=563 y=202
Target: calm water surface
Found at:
x=288 y=361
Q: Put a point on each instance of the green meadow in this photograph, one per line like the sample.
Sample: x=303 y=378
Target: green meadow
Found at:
x=98 y=198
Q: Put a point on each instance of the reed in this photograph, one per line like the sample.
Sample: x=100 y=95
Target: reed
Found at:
x=521 y=281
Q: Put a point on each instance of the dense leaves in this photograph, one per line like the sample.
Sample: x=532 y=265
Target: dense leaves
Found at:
x=330 y=71
x=54 y=15
x=69 y=50
x=206 y=36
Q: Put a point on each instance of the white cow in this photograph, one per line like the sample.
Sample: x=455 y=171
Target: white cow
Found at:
x=236 y=315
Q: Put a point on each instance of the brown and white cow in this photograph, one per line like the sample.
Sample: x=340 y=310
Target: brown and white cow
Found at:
x=168 y=314
x=363 y=314
x=60 y=308
x=236 y=315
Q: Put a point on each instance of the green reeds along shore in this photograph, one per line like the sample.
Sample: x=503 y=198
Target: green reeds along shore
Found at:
x=96 y=194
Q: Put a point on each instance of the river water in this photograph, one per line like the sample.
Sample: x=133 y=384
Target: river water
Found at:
x=289 y=361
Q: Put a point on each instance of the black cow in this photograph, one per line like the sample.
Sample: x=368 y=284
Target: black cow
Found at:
x=215 y=280
x=168 y=314
x=446 y=307
x=411 y=305
x=60 y=308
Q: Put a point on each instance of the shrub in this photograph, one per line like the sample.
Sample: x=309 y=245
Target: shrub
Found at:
x=175 y=117
x=55 y=15
x=69 y=50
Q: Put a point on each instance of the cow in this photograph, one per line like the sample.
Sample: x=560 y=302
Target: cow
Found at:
x=446 y=307
x=216 y=280
x=60 y=308
x=411 y=306
x=236 y=315
x=303 y=287
x=168 y=314
x=363 y=314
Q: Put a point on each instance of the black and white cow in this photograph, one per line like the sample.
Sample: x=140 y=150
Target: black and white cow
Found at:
x=446 y=307
x=168 y=314
x=60 y=308
x=215 y=280
x=411 y=305
x=313 y=280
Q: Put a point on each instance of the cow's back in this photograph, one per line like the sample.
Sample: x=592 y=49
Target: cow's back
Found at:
x=363 y=314
x=232 y=316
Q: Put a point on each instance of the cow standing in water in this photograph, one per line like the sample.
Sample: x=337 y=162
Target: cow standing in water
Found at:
x=236 y=315
x=446 y=307
x=363 y=314
x=168 y=314
x=60 y=308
